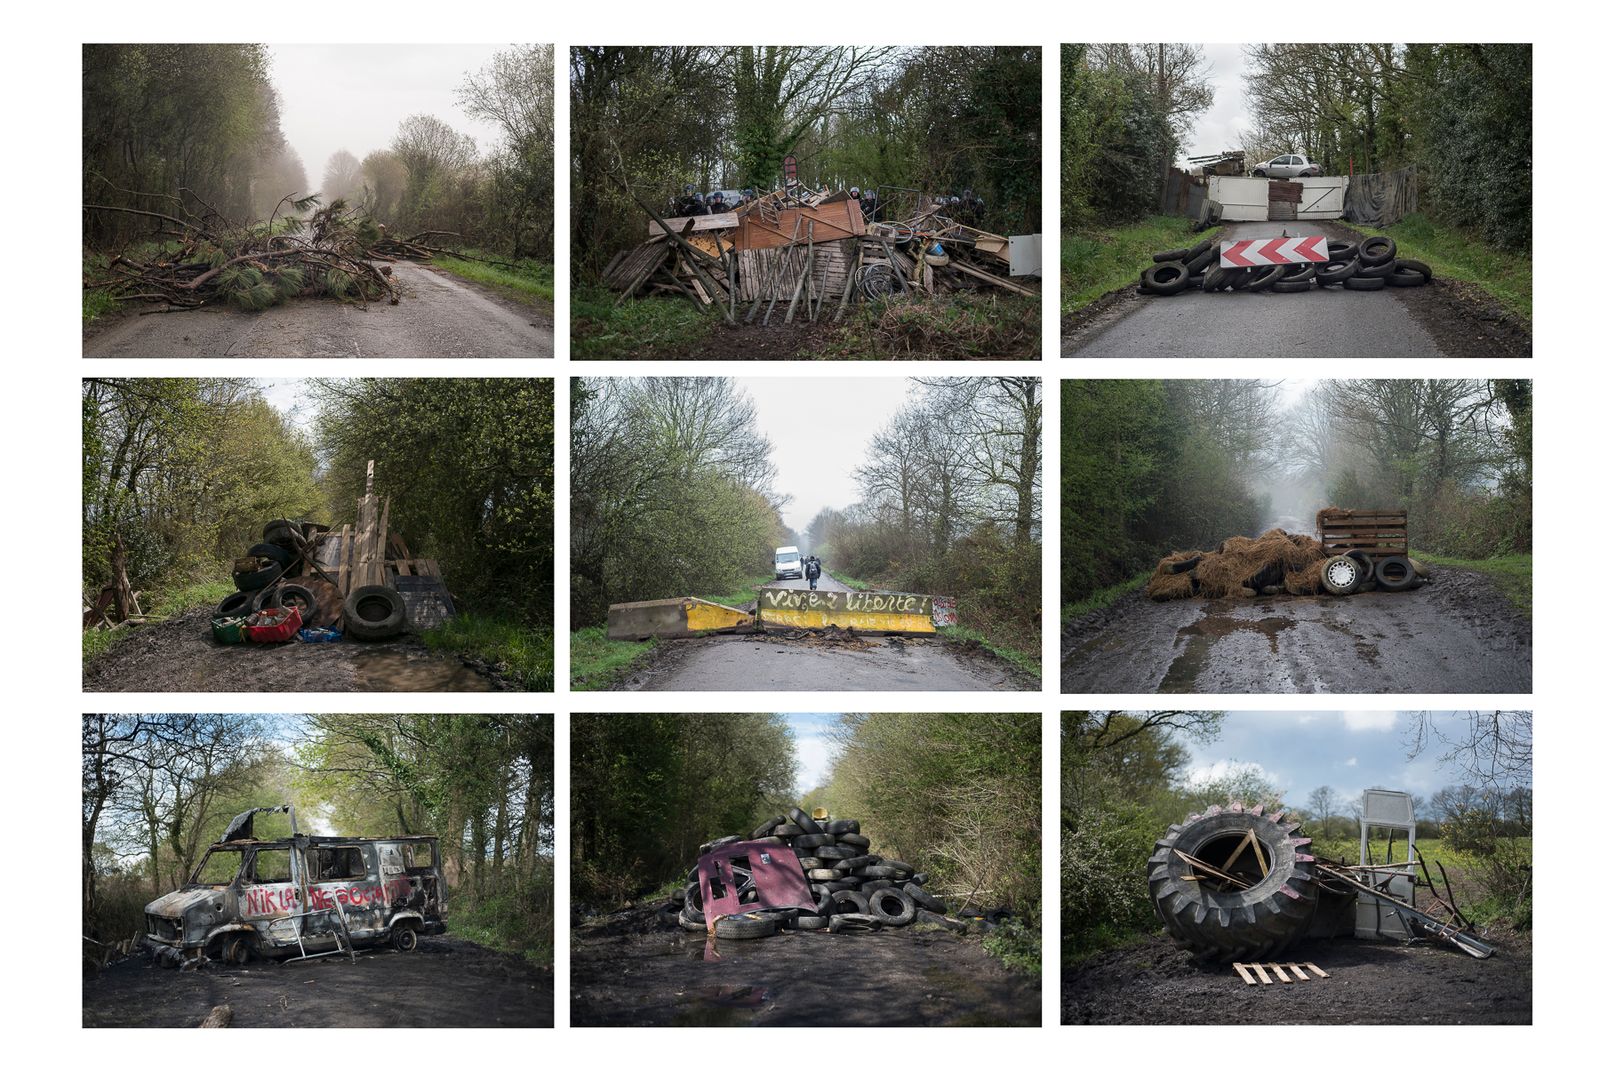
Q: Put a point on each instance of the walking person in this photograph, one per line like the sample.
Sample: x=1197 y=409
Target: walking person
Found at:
x=813 y=570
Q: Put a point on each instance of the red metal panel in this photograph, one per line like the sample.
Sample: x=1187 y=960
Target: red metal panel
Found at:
x=775 y=872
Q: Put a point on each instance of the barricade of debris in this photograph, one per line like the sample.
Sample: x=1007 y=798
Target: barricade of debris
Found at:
x=806 y=872
x=1353 y=552
x=792 y=251
x=1372 y=264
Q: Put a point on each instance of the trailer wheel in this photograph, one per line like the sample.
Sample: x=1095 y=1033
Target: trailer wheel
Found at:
x=405 y=939
x=1219 y=921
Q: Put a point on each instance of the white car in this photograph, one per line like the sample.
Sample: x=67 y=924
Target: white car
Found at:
x=1289 y=165
x=786 y=562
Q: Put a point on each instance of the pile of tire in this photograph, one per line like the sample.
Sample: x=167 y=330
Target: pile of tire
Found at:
x=260 y=577
x=853 y=887
x=1372 y=264
x=1251 y=923
x=1357 y=572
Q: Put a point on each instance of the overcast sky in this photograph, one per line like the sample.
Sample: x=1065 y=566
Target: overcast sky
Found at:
x=819 y=429
x=812 y=749
x=1222 y=127
x=356 y=96
x=1349 y=751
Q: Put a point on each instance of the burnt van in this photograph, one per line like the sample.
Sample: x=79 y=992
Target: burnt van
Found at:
x=299 y=897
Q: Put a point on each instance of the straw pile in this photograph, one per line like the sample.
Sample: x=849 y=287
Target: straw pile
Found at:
x=1241 y=567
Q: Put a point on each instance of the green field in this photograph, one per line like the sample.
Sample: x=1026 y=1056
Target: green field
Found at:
x=1457 y=254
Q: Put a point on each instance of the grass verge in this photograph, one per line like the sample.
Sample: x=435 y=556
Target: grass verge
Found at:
x=637 y=329
x=741 y=595
x=1101 y=261
x=162 y=603
x=525 y=655
x=961 y=326
x=1103 y=596
x=1023 y=660
x=502 y=922
x=530 y=282
x=1457 y=254
x=853 y=583
x=1512 y=573
x=596 y=661
x=1017 y=946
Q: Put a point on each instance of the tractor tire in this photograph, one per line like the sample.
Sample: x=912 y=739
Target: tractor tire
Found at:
x=1222 y=926
x=1376 y=251
x=372 y=613
x=1342 y=575
x=1166 y=279
x=1395 y=573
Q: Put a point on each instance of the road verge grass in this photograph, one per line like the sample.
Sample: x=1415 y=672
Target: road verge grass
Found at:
x=1103 y=596
x=596 y=662
x=525 y=655
x=162 y=604
x=1459 y=255
x=1512 y=574
x=1017 y=657
x=636 y=329
x=1104 y=260
x=529 y=282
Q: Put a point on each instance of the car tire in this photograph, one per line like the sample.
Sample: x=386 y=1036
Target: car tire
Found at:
x=372 y=613
x=1265 y=279
x=280 y=532
x=1217 y=278
x=267 y=551
x=893 y=907
x=1291 y=287
x=766 y=828
x=1376 y=270
x=241 y=603
x=798 y=816
x=1358 y=283
x=258 y=579
x=1361 y=557
x=1338 y=271
x=806 y=922
x=851 y=901
x=293 y=595
x=1303 y=272
x=1414 y=267
x=741 y=926
x=924 y=899
x=1395 y=573
x=1198 y=262
x=852 y=838
x=1166 y=279
x=813 y=841
x=1171 y=255
x=1377 y=250
x=1342 y=575
x=838 y=827
x=1405 y=278
x=1342 y=251
x=1222 y=926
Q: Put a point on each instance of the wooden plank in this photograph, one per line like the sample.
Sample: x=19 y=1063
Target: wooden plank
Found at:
x=992 y=279
x=1316 y=970
x=727 y=220
x=1298 y=973
x=1282 y=975
x=381 y=555
x=1244 y=973
x=1261 y=974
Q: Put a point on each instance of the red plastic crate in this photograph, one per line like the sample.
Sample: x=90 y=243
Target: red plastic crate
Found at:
x=273 y=625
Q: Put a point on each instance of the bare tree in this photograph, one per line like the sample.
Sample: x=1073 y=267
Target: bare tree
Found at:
x=341 y=177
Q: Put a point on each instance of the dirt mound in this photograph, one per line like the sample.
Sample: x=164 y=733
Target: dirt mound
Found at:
x=1241 y=567
x=1156 y=982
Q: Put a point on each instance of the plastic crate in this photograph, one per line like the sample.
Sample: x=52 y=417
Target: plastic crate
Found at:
x=273 y=625
x=229 y=630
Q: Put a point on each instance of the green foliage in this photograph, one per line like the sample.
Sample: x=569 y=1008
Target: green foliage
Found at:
x=1104 y=259
x=524 y=654
x=955 y=794
x=529 y=282
x=467 y=466
x=636 y=329
x=650 y=788
x=962 y=633
x=596 y=661
x=670 y=484
x=962 y=326
x=1103 y=596
x=1459 y=253
x=1018 y=946
x=1114 y=144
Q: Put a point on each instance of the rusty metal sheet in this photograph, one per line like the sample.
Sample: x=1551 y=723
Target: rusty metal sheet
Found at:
x=773 y=872
x=827 y=222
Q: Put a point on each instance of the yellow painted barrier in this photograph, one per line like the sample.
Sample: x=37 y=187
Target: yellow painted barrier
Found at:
x=674 y=617
x=875 y=610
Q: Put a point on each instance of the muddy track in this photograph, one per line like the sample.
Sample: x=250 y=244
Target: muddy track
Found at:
x=447 y=982
x=179 y=656
x=1457 y=634
x=1369 y=982
x=822 y=660
x=637 y=968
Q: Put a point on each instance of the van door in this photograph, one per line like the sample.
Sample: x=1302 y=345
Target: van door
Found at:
x=268 y=897
x=346 y=890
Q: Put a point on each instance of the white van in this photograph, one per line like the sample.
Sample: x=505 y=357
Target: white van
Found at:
x=786 y=562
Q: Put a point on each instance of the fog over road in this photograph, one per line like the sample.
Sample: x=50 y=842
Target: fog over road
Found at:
x=438 y=316
x=1323 y=322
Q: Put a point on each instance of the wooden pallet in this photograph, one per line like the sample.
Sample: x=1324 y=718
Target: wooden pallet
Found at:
x=1377 y=533
x=1256 y=974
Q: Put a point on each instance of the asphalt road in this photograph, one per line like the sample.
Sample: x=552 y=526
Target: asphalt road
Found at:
x=830 y=660
x=1457 y=634
x=438 y=316
x=1323 y=322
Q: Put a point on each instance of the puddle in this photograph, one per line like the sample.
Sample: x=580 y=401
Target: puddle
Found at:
x=406 y=668
x=1200 y=637
x=722 y=1006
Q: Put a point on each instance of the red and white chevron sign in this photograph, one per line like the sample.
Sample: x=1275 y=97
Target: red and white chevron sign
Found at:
x=1272 y=251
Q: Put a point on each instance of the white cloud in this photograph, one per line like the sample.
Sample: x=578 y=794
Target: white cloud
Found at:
x=813 y=755
x=1370 y=721
x=1352 y=762
x=1218 y=770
